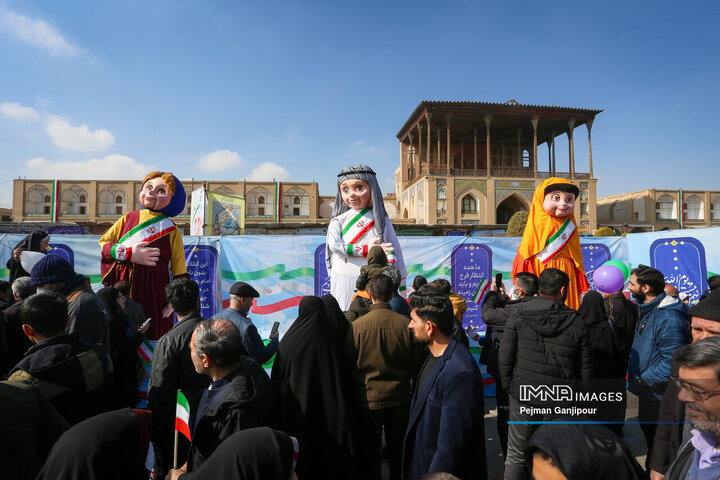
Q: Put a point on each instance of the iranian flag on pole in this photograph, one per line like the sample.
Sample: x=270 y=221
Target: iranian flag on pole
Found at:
x=145 y=350
x=55 y=205
x=481 y=289
x=182 y=416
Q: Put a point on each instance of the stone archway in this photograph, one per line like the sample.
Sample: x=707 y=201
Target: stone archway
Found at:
x=508 y=207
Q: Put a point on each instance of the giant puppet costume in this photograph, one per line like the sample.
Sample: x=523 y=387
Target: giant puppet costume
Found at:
x=551 y=239
x=144 y=247
x=358 y=222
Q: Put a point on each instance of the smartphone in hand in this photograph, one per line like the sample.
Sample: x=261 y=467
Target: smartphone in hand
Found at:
x=275 y=328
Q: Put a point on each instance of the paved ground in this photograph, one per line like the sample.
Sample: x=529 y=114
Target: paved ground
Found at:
x=633 y=437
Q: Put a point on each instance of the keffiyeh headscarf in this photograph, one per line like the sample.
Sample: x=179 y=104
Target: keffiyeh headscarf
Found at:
x=367 y=175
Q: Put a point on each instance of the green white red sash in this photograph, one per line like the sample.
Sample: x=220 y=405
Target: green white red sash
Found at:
x=480 y=290
x=148 y=231
x=356 y=229
x=557 y=242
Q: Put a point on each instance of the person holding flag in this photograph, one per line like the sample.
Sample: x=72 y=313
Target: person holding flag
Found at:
x=172 y=369
x=238 y=397
x=551 y=239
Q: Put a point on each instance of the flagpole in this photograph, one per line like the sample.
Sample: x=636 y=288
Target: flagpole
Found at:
x=175 y=465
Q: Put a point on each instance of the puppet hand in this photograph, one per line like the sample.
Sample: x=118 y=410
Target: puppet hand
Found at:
x=167 y=311
x=376 y=241
x=145 y=255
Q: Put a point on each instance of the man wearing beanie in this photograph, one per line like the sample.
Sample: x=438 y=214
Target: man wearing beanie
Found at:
x=85 y=310
x=670 y=434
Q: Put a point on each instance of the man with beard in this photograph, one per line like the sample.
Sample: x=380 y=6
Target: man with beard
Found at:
x=446 y=431
x=698 y=381
x=661 y=330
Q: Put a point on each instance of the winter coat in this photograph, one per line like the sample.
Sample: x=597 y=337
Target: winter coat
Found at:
x=244 y=404
x=383 y=356
x=662 y=329
x=545 y=344
x=669 y=432
x=173 y=370
x=73 y=374
x=446 y=429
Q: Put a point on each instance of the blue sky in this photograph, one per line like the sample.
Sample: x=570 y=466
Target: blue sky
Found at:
x=297 y=90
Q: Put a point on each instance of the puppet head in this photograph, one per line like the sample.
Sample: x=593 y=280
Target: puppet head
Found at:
x=162 y=192
x=348 y=177
x=559 y=199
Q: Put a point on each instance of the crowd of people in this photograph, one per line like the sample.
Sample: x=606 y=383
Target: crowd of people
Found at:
x=388 y=378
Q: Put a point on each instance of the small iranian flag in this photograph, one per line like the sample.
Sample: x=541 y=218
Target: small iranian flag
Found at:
x=182 y=416
x=145 y=350
x=481 y=289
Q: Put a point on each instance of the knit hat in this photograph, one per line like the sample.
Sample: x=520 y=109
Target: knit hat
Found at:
x=708 y=307
x=51 y=269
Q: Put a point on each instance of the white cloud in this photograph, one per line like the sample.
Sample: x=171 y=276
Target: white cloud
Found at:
x=79 y=138
x=265 y=172
x=362 y=152
x=111 y=167
x=20 y=113
x=220 y=160
x=37 y=33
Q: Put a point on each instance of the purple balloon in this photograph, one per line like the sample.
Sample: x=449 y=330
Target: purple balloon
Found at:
x=609 y=279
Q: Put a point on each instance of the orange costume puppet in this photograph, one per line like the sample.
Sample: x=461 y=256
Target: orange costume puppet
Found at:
x=144 y=247
x=551 y=239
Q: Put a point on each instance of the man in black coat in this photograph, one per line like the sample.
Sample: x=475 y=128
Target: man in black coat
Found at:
x=172 y=370
x=545 y=345
x=73 y=374
x=704 y=323
x=497 y=308
x=238 y=397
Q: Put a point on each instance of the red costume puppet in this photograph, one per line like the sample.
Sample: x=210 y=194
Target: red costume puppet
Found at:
x=144 y=247
x=551 y=239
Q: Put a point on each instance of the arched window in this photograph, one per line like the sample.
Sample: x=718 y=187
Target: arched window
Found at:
x=715 y=209
x=111 y=201
x=38 y=201
x=256 y=199
x=224 y=190
x=694 y=208
x=296 y=202
x=666 y=208
x=469 y=204
x=74 y=201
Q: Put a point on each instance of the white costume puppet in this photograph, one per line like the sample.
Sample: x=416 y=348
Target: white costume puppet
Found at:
x=358 y=222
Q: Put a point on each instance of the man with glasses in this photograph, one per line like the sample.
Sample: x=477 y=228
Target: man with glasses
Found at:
x=671 y=434
x=661 y=330
x=698 y=382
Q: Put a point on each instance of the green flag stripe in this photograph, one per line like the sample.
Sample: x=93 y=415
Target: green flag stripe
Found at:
x=433 y=272
x=266 y=272
x=352 y=222
x=182 y=401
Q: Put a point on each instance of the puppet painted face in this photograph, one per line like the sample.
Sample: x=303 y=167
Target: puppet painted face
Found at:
x=559 y=204
x=155 y=194
x=355 y=194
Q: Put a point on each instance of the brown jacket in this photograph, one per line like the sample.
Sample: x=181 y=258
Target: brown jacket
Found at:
x=383 y=358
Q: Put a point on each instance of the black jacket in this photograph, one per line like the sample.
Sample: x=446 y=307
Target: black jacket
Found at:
x=243 y=405
x=544 y=344
x=74 y=375
x=17 y=342
x=669 y=432
x=496 y=312
x=173 y=370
